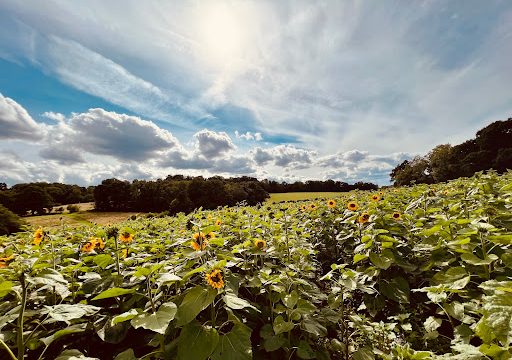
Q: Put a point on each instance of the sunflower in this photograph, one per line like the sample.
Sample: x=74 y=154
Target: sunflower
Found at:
x=38 y=236
x=99 y=243
x=312 y=207
x=210 y=235
x=4 y=261
x=375 y=197
x=89 y=246
x=214 y=279
x=304 y=207
x=352 y=206
x=260 y=244
x=218 y=222
x=126 y=237
x=199 y=243
x=331 y=203
x=363 y=218
x=396 y=216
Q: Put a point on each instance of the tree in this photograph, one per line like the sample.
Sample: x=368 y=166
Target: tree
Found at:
x=9 y=222
x=440 y=162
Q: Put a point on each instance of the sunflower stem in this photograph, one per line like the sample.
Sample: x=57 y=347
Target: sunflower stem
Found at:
x=9 y=351
x=21 y=344
x=117 y=256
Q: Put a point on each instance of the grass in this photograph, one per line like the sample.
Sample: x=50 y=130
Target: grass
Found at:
x=79 y=218
x=277 y=197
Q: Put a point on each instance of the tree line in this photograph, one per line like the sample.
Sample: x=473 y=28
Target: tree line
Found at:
x=490 y=149
x=41 y=197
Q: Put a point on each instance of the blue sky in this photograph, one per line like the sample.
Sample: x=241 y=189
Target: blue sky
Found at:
x=288 y=90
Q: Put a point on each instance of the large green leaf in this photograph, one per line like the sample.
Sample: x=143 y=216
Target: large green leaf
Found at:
x=113 y=292
x=281 y=326
x=235 y=345
x=197 y=341
x=383 y=260
x=196 y=300
x=5 y=288
x=396 y=289
x=67 y=312
x=158 y=321
x=234 y=302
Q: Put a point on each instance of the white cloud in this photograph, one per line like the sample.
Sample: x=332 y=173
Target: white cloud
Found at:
x=284 y=155
x=100 y=132
x=211 y=144
x=249 y=136
x=16 y=123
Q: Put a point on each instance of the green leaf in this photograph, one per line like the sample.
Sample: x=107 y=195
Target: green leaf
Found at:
x=103 y=260
x=432 y=323
x=196 y=300
x=168 y=279
x=158 y=321
x=304 y=350
x=126 y=316
x=505 y=239
x=235 y=345
x=5 y=288
x=383 y=260
x=236 y=303
x=67 y=312
x=126 y=355
x=273 y=343
x=73 y=329
x=396 y=289
x=312 y=326
x=197 y=341
x=281 y=326
x=359 y=257
x=290 y=300
x=73 y=354
x=475 y=260
x=363 y=354
x=113 y=292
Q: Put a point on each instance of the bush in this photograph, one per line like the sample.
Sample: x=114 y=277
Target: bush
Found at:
x=73 y=208
x=9 y=221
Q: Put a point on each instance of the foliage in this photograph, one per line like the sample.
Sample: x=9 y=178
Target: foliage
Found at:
x=426 y=275
x=490 y=149
x=9 y=222
x=72 y=208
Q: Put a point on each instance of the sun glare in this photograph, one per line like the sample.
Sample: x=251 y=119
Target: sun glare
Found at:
x=220 y=33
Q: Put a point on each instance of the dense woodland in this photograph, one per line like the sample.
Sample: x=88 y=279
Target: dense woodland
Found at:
x=490 y=149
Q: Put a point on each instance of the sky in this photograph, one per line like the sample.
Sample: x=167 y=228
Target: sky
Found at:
x=283 y=90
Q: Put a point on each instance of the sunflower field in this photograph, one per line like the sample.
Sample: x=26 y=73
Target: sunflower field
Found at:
x=422 y=272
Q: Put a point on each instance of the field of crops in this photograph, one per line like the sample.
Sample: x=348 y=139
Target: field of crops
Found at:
x=412 y=273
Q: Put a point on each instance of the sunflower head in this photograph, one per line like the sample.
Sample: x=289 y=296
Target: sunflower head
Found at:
x=396 y=216
x=375 y=197
x=331 y=203
x=312 y=206
x=4 y=261
x=210 y=235
x=304 y=207
x=100 y=244
x=363 y=218
x=260 y=244
x=89 y=246
x=199 y=243
x=38 y=236
x=214 y=279
x=352 y=206
x=126 y=237
x=218 y=222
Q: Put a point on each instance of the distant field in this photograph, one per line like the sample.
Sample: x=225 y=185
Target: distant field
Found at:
x=80 y=218
x=276 y=197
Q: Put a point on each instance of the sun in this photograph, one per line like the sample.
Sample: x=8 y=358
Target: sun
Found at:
x=220 y=32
